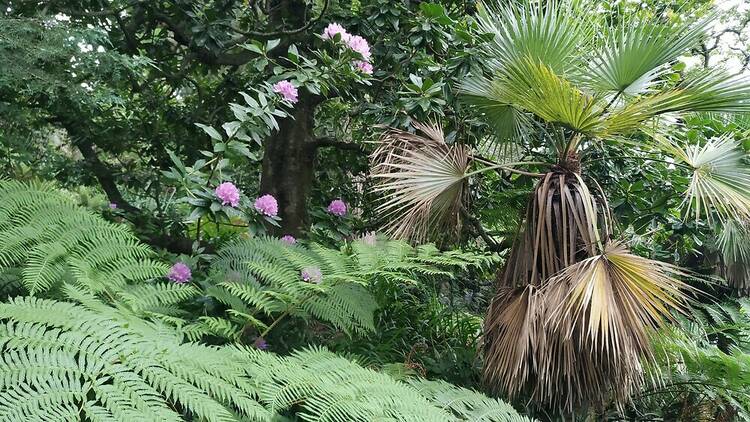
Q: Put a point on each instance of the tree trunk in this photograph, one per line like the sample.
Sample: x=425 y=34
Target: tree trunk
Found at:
x=288 y=165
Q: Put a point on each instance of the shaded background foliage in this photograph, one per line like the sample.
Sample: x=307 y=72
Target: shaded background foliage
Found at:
x=99 y=96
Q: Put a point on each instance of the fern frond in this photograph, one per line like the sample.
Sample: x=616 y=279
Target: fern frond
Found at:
x=47 y=236
x=57 y=355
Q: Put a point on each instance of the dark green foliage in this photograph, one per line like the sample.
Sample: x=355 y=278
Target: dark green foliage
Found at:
x=703 y=367
x=428 y=316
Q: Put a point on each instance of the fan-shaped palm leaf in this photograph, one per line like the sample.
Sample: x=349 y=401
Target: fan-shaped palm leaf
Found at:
x=702 y=91
x=720 y=179
x=582 y=336
x=734 y=244
x=548 y=32
x=424 y=181
x=634 y=54
x=597 y=318
x=511 y=334
x=510 y=125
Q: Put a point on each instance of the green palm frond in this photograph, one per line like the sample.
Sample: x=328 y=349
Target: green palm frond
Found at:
x=720 y=180
x=510 y=126
x=551 y=33
x=635 y=54
x=700 y=91
x=424 y=182
x=538 y=64
x=535 y=87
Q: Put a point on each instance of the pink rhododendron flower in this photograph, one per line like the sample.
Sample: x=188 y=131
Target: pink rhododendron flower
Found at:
x=287 y=91
x=113 y=205
x=363 y=66
x=228 y=193
x=369 y=239
x=337 y=207
x=332 y=29
x=260 y=343
x=360 y=45
x=267 y=205
x=312 y=275
x=179 y=273
x=288 y=239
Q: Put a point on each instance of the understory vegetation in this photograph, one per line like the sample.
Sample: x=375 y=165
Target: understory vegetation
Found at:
x=374 y=210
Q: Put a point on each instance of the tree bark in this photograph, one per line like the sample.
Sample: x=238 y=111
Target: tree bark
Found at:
x=289 y=164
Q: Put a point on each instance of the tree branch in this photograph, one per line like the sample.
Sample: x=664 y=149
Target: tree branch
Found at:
x=269 y=35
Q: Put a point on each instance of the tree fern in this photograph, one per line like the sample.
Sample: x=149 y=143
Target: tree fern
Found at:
x=85 y=360
x=49 y=238
x=58 y=356
x=259 y=281
x=327 y=387
x=46 y=239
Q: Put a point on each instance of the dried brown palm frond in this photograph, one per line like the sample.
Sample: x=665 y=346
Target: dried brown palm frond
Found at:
x=424 y=181
x=610 y=304
x=511 y=333
x=561 y=228
x=592 y=331
x=734 y=244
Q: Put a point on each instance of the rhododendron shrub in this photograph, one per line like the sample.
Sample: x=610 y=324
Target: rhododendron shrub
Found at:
x=354 y=43
x=180 y=273
x=228 y=193
x=337 y=207
x=267 y=205
x=287 y=91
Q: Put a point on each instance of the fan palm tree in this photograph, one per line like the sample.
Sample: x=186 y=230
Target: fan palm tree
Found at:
x=569 y=326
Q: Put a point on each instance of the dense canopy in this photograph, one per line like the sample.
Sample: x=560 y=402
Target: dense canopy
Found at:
x=359 y=210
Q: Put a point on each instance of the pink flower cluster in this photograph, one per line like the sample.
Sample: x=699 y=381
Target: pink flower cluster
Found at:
x=363 y=66
x=311 y=275
x=260 y=343
x=369 y=239
x=337 y=207
x=287 y=91
x=228 y=193
x=355 y=43
x=180 y=273
x=289 y=239
x=332 y=29
x=267 y=205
